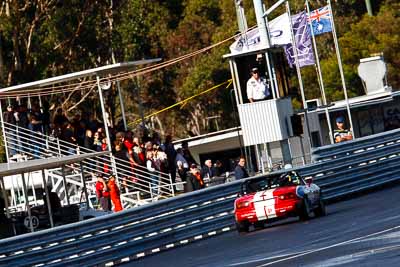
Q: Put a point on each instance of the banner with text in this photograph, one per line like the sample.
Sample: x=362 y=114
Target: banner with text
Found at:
x=279 y=30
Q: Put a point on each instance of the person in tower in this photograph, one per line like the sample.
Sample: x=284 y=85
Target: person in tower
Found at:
x=257 y=87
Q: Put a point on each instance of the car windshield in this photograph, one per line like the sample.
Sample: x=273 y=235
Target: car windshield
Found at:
x=269 y=182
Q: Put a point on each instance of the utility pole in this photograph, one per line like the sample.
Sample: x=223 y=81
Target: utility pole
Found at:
x=369 y=7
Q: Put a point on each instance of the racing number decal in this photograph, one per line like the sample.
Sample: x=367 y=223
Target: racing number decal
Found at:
x=269 y=211
x=264 y=204
x=35 y=222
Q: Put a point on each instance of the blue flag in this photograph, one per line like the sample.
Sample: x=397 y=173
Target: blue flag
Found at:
x=303 y=42
x=321 y=20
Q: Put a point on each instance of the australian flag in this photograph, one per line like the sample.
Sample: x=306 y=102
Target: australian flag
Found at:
x=302 y=36
x=321 y=20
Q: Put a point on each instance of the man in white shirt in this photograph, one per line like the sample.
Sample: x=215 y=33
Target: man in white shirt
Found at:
x=257 y=87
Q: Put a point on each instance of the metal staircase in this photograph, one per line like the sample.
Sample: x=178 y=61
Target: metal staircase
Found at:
x=138 y=186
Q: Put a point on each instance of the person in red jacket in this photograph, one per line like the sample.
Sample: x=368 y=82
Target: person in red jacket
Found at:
x=103 y=194
x=104 y=147
x=114 y=194
x=194 y=181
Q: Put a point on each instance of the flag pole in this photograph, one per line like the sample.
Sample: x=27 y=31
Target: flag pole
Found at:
x=322 y=87
x=303 y=98
x=262 y=24
x=341 y=69
x=270 y=65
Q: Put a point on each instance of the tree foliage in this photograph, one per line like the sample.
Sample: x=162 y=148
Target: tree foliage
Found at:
x=45 y=38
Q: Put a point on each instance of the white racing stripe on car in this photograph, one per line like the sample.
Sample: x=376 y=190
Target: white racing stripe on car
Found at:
x=264 y=204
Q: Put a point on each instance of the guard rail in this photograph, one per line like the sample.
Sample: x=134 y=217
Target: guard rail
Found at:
x=134 y=233
x=354 y=146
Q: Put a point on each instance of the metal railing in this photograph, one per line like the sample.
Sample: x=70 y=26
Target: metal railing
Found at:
x=354 y=147
x=165 y=224
x=134 y=230
x=134 y=180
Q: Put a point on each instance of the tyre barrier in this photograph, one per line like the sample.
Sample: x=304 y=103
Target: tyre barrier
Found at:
x=131 y=234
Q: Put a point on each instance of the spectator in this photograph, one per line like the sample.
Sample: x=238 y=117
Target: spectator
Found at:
x=55 y=201
x=240 y=170
x=9 y=115
x=68 y=136
x=22 y=121
x=341 y=134
x=103 y=195
x=54 y=132
x=36 y=139
x=92 y=123
x=128 y=146
x=208 y=170
x=46 y=117
x=19 y=132
x=97 y=142
x=181 y=164
x=114 y=193
x=22 y=117
x=257 y=87
x=219 y=169
x=194 y=180
x=138 y=152
x=81 y=133
x=76 y=126
x=10 y=123
x=122 y=158
x=104 y=147
x=35 y=124
x=59 y=118
x=120 y=137
x=101 y=132
x=121 y=153
x=186 y=153
x=151 y=167
x=128 y=143
x=171 y=155
x=155 y=139
x=160 y=159
x=89 y=140
x=38 y=117
x=148 y=147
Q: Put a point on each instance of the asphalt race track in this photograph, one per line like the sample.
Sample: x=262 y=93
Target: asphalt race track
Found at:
x=364 y=231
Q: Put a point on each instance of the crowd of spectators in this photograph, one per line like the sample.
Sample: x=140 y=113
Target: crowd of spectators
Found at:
x=140 y=150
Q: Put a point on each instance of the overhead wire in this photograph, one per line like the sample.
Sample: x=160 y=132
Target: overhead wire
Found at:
x=86 y=85
x=184 y=102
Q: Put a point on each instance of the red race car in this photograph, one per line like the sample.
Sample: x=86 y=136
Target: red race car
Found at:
x=276 y=196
